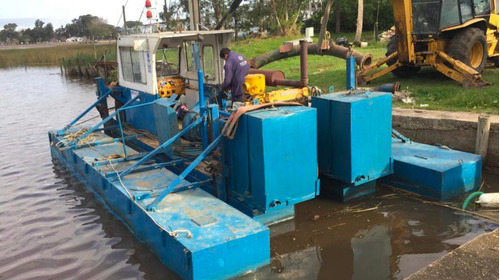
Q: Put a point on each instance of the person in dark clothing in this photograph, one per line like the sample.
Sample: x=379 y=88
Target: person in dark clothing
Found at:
x=235 y=68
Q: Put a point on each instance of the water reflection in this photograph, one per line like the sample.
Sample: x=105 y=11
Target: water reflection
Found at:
x=385 y=237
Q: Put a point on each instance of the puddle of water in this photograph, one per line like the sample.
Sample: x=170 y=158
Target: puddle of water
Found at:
x=387 y=236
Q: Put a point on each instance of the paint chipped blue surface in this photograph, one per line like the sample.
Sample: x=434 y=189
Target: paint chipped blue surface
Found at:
x=225 y=242
x=435 y=172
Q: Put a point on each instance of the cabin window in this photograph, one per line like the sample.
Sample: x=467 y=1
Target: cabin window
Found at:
x=191 y=65
x=482 y=7
x=167 y=61
x=466 y=9
x=132 y=65
x=425 y=16
x=449 y=14
x=209 y=62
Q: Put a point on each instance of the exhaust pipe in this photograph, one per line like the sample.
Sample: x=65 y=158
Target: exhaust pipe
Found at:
x=304 y=79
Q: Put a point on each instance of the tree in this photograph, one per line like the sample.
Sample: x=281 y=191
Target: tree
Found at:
x=170 y=15
x=348 y=11
x=99 y=29
x=260 y=14
x=60 y=32
x=337 y=16
x=41 y=33
x=79 y=26
x=218 y=6
x=9 y=33
x=48 y=32
x=359 y=23
x=324 y=23
x=286 y=14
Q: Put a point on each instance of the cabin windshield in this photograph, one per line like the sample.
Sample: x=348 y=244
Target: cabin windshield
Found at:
x=426 y=16
x=167 y=61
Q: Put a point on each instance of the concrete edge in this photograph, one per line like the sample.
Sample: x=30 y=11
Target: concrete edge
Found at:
x=456 y=130
x=476 y=259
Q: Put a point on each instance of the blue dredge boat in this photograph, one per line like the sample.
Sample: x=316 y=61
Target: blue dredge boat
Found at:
x=201 y=192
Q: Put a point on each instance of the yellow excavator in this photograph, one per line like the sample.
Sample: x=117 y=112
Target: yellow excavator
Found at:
x=456 y=37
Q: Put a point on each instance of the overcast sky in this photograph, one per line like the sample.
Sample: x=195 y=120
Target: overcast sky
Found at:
x=61 y=12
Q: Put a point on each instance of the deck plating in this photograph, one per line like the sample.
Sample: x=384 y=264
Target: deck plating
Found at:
x=195 y=234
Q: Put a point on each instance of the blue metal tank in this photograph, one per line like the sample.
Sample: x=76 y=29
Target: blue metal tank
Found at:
x=354 y=136
x=273 y=159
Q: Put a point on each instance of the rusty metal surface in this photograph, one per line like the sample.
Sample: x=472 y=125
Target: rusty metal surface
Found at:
x=270 y=75
x=362 y=60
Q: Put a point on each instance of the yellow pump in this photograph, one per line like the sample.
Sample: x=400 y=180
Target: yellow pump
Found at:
x=169 y=86
x=255 y=86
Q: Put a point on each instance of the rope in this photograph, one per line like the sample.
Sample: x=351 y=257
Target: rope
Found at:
x=68 y=138
x=229 y=129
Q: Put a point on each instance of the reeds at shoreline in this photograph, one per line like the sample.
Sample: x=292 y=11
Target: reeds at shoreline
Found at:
x=66 y=55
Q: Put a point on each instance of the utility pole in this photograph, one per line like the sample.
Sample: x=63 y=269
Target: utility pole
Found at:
x=124 y=20
x=194 y=15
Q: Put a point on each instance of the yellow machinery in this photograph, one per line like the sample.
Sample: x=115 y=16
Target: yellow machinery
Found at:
x=169 y=86
x=255 y=86
x=455 y=39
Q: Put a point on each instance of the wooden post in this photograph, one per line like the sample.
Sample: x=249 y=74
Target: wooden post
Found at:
x=483 y=135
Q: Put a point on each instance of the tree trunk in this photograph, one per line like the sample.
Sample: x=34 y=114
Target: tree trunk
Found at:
x=275 y=13
x=324 y=23
x=337 y=17
x=359 y=23
x=218 y=11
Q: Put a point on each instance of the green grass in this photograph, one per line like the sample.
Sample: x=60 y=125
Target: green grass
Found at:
x=429 y=87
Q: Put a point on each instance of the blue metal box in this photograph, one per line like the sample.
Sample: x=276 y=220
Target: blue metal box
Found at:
x=354 y=135
x=432 y=171
x=165 y=121
x=273 y=158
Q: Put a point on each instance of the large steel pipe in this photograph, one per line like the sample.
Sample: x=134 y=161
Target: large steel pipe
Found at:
x=362 y=60
x=304 y=79
x=271 y=75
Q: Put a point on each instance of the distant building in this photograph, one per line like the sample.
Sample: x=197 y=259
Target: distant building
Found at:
x=74 y=39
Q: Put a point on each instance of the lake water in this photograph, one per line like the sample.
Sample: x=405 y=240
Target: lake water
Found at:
x=51 y=227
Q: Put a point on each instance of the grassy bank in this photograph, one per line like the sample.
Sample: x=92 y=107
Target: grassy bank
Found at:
x=429 y=88
x=66 y=54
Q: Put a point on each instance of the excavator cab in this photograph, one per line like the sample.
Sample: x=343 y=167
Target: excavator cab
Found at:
x=433 y=17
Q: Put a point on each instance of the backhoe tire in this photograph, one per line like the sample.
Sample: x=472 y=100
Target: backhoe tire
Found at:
x=402 y=71
x=469 y=46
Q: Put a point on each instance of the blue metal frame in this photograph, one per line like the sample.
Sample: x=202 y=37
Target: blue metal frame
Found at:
x=151 y=167
x=400 y=136
x=154 y=204
x=160 y=148
x=201 y=94
x=73 y=143
x=350 y=72
x=62 y=131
